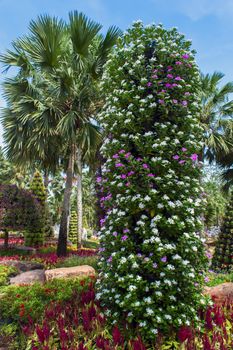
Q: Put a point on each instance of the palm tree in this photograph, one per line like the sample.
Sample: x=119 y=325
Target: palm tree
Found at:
x=216 y=116
x=60 y=65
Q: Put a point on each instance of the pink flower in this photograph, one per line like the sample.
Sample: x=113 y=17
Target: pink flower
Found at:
x=182 y=161
x=183 y=149
x=185 y=56
x=145 y=166
x=126 y=230
x=123 y=176
x=184 y=103
x=115 y=156
x=154 y=76
x=178 y=63
x=124 y=238
x=114 y=234
x=175 y=101
x=127 y=184
x=168 y=85
x=149 y=84
x=127 y=155
x=155 y=265
x=174 y=85
x=119 y=165
x=176 y=157
x=178 y=78
x=130 y=173
x=169 y=68
x=151 y=175
x=169 y=76
x=161 y=102
x=122 y=151
x=98 y=179
x=187 y=93
x=194 y=157
x=164 y=259
x=109 y=259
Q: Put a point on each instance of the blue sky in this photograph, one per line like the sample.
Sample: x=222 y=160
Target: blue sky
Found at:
x=207 y=22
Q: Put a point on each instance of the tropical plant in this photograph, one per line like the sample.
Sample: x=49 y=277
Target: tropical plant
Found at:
x=216 y=116
x=59 y=67
x=223 y=256
x=151 y=256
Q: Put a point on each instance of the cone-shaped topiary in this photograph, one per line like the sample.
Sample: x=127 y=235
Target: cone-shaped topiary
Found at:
x=73 y=224
x=223 y=256
x=151 y=255
x=38 y=189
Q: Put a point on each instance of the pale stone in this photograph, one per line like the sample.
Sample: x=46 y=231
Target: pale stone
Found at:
x=28 y=277
x=68 y=272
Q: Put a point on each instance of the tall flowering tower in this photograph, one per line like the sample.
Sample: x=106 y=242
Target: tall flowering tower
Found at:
x=151 y=255
x=223 y=256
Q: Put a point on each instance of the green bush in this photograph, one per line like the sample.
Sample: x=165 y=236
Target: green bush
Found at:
x=79 y=260
x=5 y=273
x=18 y=302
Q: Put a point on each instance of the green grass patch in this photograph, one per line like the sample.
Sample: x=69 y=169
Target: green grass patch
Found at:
x=219 y=278
x=78 y=260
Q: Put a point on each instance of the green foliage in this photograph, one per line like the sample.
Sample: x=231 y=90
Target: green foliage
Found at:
x=215 y=200
x=19 y=209
x=223 y=256
x=73 y=226
x=151 y=256
x=7 y=170
x=18 y=302
x=91 y=244
x=5 y=272
x=8 y=336
x=216 y=116
x=219 y=278
x=78 y=261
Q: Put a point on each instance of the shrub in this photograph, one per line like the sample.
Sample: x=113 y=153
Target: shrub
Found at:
x=5 y=272
x=73 y=227
x=223 y=256
x=151 y=255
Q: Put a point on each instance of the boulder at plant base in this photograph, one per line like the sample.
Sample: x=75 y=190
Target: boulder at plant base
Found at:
x=29 y=277
x=67 y=272
x=23 y=266
x=223 y=293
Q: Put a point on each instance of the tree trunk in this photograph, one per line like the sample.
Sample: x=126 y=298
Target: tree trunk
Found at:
x=62 y=238
x=6 y=239
x=79 y=199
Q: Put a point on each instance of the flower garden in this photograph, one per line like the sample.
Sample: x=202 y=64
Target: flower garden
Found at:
x=154 y=280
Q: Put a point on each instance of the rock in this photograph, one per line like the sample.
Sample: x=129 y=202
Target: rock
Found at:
x=66 y=272
x=23 y=266
x=28 y=277
x=223 y=293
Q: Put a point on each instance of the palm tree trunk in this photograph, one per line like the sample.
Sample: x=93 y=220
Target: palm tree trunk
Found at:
x=62 y=238
x=79 y=199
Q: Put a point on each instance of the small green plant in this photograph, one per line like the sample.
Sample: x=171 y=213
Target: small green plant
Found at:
x=5 y=273
x=78 y=261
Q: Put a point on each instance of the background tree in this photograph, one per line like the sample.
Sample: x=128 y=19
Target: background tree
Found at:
x=61 y=65
x=216 y=116
x=223 y=256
